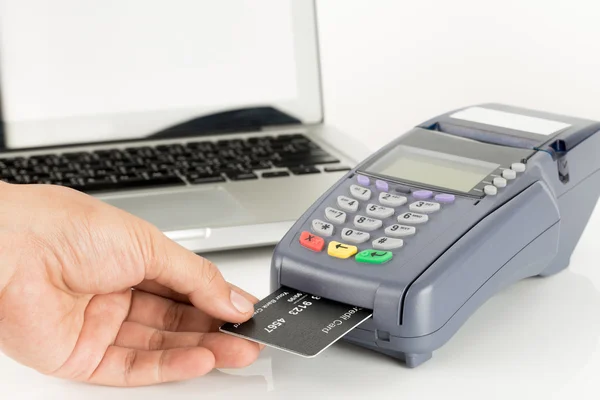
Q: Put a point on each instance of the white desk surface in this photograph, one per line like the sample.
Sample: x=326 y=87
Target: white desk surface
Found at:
x=536 y=340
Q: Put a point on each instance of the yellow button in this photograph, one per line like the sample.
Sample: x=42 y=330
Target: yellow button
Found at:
x=341 y=250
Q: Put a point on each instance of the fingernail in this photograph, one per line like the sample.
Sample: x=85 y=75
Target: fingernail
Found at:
x=241 y=303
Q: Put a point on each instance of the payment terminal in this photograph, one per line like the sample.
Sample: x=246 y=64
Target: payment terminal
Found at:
x=433 y=224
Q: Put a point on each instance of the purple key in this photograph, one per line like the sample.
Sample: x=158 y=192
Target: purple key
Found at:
x=445 y=198
x=382 y=185
x=363 y=180
x=422 y=194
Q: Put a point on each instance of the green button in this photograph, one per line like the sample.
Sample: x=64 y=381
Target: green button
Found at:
x=373 y=256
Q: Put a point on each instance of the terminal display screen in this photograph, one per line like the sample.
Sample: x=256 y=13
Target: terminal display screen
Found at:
x=432 y=168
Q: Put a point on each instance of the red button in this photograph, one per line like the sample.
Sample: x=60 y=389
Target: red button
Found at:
x=311 y=241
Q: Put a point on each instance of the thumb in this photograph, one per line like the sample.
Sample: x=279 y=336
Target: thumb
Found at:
x=185 y=272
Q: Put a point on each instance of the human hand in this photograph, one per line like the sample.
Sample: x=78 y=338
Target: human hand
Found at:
x=67 y=308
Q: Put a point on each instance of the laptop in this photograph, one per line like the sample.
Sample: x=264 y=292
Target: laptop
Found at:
x=204 y=118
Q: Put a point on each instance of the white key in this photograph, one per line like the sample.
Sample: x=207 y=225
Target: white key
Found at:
x=413 y=218
x=354 y=236
x=518 y=167
x=375 y=210
x=509 y=174
x=360 y=192
x=490 y=190
x=335 y=216
x=398 y=230
x=426 y=207
x=366 y=223
x=386 y=243
x=499 y=182
x=347 y=204
x=392 y=200
x=322 y=228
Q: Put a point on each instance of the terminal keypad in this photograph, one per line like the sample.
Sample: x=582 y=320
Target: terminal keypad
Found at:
x=372 y=220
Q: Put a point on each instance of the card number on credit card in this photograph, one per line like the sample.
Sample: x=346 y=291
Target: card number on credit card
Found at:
x=298 y=322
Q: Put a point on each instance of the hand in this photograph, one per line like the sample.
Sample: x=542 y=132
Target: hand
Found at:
x=91 y=293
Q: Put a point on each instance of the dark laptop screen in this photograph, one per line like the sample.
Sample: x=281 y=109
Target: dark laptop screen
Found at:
x=76 y=71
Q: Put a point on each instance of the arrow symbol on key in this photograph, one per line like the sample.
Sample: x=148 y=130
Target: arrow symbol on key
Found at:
x=376 y=254
x=340 y=246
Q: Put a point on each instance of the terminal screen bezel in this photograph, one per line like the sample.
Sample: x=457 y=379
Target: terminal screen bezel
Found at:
x=489 y=160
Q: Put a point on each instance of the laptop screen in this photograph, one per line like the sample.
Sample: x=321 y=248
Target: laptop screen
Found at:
x=76 y=71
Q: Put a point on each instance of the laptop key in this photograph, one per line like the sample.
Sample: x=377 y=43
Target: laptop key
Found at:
x=78 y=155
x=233 y=143
x=101 y=172
x=242 y=175
x=260 y=141
x=204 y=178
x=304 y=170
x=22 y=178
x=200 y=146
x=275 y=174
x=229 y=168
x=97 y=184
x=122 y=182
x=104 y=152
x=39 y=169
x=9 y=180
x=40 y=177
x=258 y=165
x=16 y=162
x=305 y=161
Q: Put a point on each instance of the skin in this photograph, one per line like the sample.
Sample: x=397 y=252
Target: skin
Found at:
x=90 y=293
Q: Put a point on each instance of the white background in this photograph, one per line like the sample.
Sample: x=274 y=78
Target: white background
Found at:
x=387 y=66
x=391 y=64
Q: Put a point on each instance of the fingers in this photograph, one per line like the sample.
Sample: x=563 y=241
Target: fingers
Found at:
x=168 y=315
x=228 y=351
x=160 y=290
x=162 y=313
x=177 y=268
x=131 y=367
x=247 y=295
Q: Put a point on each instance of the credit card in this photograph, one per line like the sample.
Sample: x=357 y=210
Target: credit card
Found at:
x=298 y=322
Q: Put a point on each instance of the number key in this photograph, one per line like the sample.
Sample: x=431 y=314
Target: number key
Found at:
x=379 y=211
x=366 y=223
x=413 y=218
x=359 y=192
x=347 y=204
x=392 y=200
x=354 y=236
x=335 y=216
x=398 y=230
x=424 y=207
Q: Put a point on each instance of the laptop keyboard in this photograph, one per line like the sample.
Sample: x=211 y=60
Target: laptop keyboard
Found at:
x=193 y=163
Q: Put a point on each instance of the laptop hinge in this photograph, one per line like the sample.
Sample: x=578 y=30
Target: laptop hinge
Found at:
x=233 y=121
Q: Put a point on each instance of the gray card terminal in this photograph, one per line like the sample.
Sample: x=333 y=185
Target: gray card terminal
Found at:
x=433 y=224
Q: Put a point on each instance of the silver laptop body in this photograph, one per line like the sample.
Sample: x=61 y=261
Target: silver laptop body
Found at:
x=211 y=177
